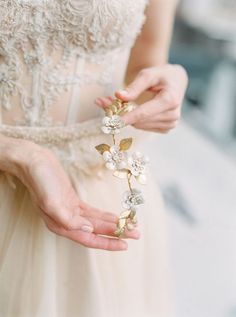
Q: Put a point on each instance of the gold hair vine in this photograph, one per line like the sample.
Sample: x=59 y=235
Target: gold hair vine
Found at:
x=124 y=166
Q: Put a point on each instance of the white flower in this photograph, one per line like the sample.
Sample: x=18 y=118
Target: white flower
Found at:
x=115 y=159
x=131 y=200
x=112 y=125
x=137 y=164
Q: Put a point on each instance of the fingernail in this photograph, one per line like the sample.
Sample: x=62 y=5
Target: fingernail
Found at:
x=86 y=228
x=123 y=92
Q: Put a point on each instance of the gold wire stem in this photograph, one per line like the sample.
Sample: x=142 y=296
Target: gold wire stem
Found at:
x=114 y=140
x=129 y=182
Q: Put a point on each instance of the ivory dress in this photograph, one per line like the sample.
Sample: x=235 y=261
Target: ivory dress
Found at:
x=56 y=58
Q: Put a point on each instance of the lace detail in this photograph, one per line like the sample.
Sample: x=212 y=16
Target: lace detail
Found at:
x=74 y=145
x=53 y=135
x=40 y=41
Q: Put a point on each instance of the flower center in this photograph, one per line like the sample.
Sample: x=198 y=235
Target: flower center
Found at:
x=117 y=156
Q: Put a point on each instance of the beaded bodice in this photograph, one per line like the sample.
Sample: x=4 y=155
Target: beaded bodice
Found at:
x=57 y=56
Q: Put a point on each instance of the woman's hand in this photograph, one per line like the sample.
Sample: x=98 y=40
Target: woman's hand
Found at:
x=61 y=209
x=162 y=112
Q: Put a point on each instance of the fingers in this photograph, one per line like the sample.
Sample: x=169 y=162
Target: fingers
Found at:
x=108 y=228
x=161 y=127
x=170 y=115
x=164 y=109
x=90 y=211
x=69 y=219
x=144 y=112
x=104 y=102
x=105 y=222
x=145 y=79
x=92 y=240
x=87 y=239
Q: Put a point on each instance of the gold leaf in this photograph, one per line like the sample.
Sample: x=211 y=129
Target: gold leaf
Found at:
x=118 y=103
x=119 y=232
x=132 y=214
x=122 y=173
x=109 y=112
x=125 y=214
x=130 y=226
x=101 y=148
x=125 y=144
x=113 y=109
x=134 y=220
x=122 y=223
x=126 y=107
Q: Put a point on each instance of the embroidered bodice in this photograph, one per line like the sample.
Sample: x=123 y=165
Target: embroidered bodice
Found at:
x=58 y=56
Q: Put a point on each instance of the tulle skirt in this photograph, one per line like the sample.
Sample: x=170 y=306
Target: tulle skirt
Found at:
x=45 y=275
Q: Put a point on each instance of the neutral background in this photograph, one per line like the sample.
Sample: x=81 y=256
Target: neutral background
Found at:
x=196 y=164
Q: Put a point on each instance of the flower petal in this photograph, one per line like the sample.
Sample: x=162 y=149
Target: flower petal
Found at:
x=122 y=165
x=138 y=155
x=111 y=165
x=114 y=149
x=134 y=171
x=125 y=205
x=106 y=130
x=121 y=174
x=107 y=156
x=142 y=179
x=115 y=131
x=106 y=120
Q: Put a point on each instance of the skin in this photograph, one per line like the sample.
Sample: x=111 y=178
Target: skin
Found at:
x=60 y=207
x=158 y=88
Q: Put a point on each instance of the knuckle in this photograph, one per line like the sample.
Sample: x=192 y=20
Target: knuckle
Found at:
x=137 y=116
x=182 y=70
x=172 y=101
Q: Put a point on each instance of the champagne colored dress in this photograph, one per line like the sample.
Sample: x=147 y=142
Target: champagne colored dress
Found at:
x=56 y=58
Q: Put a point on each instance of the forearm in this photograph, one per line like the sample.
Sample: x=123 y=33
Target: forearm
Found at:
x=14 y=154
x=152 y=46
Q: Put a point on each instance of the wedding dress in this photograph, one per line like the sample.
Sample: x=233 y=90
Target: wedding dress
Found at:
x=56 y=58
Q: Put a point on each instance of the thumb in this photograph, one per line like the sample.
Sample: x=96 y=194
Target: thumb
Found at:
x=85 y=225
x=142 y=82
x=73 y=220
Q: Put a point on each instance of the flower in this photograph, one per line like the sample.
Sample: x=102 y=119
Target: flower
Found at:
x=112 y=125
x=137 y=163
x=132 y=199
x=115 y=159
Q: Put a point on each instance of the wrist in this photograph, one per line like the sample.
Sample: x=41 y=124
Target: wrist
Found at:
x=15 y=154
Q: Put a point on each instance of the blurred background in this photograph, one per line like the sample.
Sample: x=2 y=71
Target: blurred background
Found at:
x=196 y=164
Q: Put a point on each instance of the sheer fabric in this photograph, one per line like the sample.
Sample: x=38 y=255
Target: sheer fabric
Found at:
x=56 y=57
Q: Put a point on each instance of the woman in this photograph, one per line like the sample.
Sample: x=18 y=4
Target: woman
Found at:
x=56 y=58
